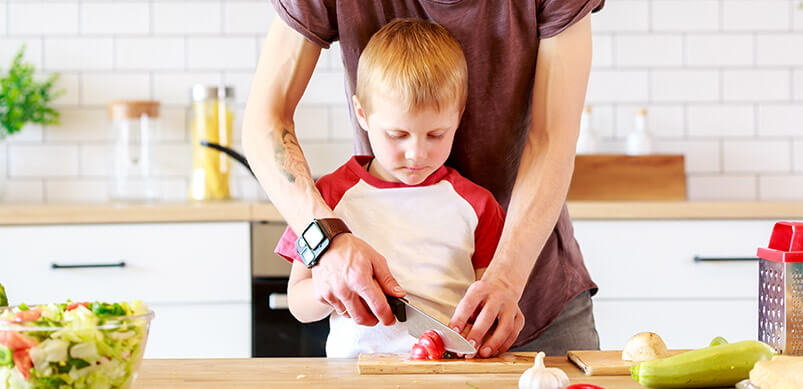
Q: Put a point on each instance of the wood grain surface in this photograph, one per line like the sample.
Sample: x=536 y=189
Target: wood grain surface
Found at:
x=615 y=177
x=517 y=362
x=330 y=373
x=607 y=362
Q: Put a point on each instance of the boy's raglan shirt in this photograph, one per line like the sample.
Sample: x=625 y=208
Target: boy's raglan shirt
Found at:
x=433 y=235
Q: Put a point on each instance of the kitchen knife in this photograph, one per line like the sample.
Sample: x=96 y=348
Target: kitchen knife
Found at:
x=418 y=322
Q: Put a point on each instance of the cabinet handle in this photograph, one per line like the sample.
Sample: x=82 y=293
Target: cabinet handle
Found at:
x=85 y=266
x=724 y=259
x=277 y=301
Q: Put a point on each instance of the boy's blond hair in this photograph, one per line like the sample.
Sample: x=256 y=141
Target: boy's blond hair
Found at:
x=416 y=62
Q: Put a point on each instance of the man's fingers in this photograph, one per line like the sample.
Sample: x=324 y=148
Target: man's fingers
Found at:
x=500 y=334
x=465 y=309
x=484 y=321
x=387 y=283
x=378 y=303
x=518 y=324
x=358 y=311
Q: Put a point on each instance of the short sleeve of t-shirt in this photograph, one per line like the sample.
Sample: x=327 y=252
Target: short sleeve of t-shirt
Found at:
x=488 y=232
x=315 y=19
x=554 y=16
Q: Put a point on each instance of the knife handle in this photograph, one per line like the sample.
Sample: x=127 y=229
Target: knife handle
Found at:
x=397 y=307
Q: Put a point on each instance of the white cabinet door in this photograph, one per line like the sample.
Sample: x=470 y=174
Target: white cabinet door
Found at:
x=164 y=263
x=200 y=331
x=681 y=323
x=649 y=281
x=655 y=258
x=195 y=276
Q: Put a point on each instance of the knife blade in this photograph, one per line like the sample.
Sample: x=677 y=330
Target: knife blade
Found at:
x=418 y=322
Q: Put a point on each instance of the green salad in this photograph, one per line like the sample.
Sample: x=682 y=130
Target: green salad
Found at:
x=72 y=345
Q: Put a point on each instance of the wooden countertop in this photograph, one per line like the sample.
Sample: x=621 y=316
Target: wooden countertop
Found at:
x=334 y=373
x=260 y=211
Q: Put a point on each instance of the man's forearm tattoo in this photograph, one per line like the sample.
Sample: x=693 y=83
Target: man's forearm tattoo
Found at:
x=288 y=153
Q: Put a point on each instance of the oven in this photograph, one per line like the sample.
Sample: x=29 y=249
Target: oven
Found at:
x=275 y=332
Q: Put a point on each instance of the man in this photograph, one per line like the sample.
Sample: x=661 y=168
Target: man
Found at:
x=528 y=68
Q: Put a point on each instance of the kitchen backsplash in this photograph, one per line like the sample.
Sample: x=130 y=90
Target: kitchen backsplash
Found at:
x=722 y=81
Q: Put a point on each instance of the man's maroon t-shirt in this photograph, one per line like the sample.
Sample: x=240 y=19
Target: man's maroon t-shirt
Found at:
x=500 y=41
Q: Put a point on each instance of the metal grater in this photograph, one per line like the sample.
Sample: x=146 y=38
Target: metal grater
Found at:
x=780 y=290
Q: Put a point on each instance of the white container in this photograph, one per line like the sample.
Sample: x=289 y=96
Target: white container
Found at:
x=134 y=124
x=587 y=142
x=639 y=140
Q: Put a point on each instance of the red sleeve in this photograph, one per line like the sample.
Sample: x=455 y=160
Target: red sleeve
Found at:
x=332 y=187
x=554 y=16
x=489 y=230
x=490 y=215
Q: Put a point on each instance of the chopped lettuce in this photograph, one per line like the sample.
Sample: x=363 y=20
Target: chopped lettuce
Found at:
x=86 y=345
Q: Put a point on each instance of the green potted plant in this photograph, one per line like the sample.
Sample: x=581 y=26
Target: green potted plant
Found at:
x=24 y=100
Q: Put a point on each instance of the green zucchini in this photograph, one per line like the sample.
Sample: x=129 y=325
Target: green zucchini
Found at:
x=713 y=366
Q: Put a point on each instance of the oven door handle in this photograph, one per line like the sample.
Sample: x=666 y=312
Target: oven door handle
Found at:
x=277 y=301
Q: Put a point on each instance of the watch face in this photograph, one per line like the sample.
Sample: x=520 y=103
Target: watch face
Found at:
x=313 y=236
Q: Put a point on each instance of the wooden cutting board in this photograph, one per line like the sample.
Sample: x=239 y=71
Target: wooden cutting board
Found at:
x=615 y=177
x=510 y=362
x=608 y=362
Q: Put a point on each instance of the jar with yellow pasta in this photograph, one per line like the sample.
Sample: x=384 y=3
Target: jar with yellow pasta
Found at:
x=212 y=120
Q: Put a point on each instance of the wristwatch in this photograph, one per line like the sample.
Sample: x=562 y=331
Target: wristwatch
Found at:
x=315 y=239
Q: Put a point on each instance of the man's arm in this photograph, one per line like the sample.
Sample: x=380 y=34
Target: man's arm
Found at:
x=547 y=163
x=346 y=276
x=285 y=66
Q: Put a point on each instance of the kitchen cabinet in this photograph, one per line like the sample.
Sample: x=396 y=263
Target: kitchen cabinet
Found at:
x=195 y=276
x=649 y=279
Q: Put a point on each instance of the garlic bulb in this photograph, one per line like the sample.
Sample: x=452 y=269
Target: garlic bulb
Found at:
x=542 y=377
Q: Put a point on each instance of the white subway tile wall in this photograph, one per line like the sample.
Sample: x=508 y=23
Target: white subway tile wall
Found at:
x=722 y=81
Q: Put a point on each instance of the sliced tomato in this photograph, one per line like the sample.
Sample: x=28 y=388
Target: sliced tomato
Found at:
x=75 y=305
x=15 y=340
x=22 y=360
x=429 y=346
x=29 y=315
x=419 y=352
x=433 y=343
x=584 y=386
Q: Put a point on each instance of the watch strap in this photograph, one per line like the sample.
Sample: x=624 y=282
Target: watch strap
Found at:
x=333 y=227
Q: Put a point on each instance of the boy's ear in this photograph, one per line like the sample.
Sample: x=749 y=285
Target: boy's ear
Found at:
x=361 y=118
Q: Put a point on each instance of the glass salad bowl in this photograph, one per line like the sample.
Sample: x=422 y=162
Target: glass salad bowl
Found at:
x=72 y=345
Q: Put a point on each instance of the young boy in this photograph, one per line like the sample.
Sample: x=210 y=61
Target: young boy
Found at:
x=437 y=230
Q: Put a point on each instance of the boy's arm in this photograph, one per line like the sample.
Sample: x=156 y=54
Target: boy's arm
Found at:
x=301 y=299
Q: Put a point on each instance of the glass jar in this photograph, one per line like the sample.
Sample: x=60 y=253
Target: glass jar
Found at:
x=212 y=122
x=134 y=124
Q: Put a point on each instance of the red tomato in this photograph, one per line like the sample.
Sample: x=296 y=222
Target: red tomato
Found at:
x=584 y=386
x=419 y=352
x=429 y=346
x=15 y=340
x=29 y=315
x=22 y=360
x=433 y=343
x=75 y=305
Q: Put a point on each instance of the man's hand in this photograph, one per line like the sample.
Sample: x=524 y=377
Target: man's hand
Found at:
x=499 y=306
x=353 y=278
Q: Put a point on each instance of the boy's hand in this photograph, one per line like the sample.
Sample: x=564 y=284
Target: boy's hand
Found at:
x=351 y=277
x=498 y=305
